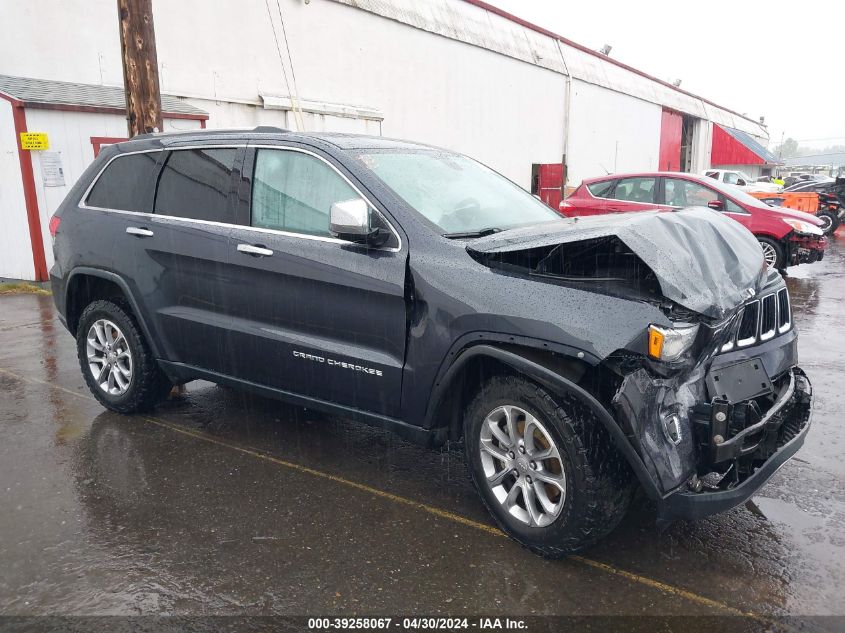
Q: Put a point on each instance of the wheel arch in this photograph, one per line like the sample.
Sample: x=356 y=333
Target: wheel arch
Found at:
x=444 y=414
x=85 y=285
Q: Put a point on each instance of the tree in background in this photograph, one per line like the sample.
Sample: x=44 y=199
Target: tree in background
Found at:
x=788 y=149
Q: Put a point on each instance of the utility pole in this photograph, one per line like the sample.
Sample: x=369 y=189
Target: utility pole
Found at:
x=140 y=66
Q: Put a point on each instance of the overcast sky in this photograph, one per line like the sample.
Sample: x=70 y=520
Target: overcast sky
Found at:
x=756 y=58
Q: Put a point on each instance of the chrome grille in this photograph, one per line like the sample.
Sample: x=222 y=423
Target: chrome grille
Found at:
x=761 y=320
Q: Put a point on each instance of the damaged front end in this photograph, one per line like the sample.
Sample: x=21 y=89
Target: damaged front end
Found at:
x=710 y=436
x=712 y=404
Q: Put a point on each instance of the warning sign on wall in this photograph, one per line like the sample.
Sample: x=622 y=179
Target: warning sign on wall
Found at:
x=34 y=140
x=52 y=172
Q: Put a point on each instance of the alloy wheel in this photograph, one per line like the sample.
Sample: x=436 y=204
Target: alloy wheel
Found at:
x=522 y=465
x=769 y=254
x=109 y=357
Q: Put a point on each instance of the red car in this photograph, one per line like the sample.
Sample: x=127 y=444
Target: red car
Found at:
x=787 y=237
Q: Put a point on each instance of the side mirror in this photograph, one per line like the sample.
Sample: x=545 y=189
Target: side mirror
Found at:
x=350 y=220
x=741 y=182
x=716 y=205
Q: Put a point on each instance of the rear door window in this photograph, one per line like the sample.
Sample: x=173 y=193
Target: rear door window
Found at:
x=196 y=184
x=686 y=193
x=635 y=190
x=601 y=189
x=126 y=184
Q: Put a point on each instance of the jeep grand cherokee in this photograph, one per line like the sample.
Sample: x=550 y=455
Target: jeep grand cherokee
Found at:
x=414 y=289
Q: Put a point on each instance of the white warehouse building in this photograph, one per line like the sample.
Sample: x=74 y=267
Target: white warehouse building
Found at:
x=460 y=74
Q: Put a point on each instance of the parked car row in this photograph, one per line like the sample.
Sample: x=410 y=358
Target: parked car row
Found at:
x=825 y=206
x=741 y=180
x=787 y=237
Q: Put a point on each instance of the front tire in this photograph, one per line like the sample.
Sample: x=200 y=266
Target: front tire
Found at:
x=545 y=467
x=116 y=361
x=772 y=253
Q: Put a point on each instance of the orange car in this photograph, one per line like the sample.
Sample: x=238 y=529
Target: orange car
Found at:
x=806 y=201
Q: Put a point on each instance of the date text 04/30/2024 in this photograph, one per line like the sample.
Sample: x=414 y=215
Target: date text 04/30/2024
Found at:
x=416 y=623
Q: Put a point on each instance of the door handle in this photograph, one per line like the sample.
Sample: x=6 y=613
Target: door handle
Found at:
x=255 y=251
x=139 y=231
x=613 y=209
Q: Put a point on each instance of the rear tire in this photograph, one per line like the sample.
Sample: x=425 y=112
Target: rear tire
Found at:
x=591 y=484
x=773 y=253
x=116 y=361
x=831 y=221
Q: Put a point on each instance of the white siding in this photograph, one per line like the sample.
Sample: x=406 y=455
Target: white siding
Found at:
x=441 y=71
x=438 y=90
x=70 y=134
x=610 y=132
x=15 y=250
x=702 y=146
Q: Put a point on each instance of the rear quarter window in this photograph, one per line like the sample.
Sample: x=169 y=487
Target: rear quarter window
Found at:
x=126 y=184
x=601 y=189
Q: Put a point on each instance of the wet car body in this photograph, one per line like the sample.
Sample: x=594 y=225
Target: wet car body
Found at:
x=768 y=223
x=400 y=334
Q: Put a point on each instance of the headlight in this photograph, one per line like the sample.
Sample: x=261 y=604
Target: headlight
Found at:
x=803 y=228
x=669 y=344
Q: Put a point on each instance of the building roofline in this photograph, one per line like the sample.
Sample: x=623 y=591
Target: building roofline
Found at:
x=543 y=31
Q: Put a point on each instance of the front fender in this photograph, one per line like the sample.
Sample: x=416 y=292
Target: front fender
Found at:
x=557 y=384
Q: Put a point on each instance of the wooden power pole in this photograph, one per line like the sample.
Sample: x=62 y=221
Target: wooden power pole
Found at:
x=140 y=66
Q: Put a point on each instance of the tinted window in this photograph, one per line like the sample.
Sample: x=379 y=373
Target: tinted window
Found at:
x=126 y=183
x=601 y=189
x=195 y=183
x=712 y=174
x=292 y=191
x=635 y=189
x=685 y=193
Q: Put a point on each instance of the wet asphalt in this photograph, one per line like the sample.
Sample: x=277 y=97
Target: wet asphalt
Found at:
x=225 y=503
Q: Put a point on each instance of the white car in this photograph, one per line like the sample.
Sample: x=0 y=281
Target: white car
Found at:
x=742 y=180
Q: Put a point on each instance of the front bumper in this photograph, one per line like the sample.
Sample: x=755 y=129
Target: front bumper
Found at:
x=765 y=446
x=805 y=250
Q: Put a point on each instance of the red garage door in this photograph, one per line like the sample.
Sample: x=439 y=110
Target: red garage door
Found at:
x=671 y=127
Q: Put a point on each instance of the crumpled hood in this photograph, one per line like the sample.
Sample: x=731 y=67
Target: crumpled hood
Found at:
x=702 y=260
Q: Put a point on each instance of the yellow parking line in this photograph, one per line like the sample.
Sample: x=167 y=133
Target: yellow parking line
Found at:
x=439 y=512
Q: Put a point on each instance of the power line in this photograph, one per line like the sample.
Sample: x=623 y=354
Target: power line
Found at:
x=281 y=59
x=290 y=59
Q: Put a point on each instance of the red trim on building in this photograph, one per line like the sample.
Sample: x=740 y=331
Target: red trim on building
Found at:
x=727 y=150
x=30 y=195
x=68 y=107
x=539 y=29
x=671 y=128
x=99 y=141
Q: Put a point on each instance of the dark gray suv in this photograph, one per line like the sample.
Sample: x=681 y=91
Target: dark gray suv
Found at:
x=414 y=289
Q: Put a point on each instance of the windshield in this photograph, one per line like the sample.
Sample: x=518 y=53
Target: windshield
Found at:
x=737 y=194
x=456 y=193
